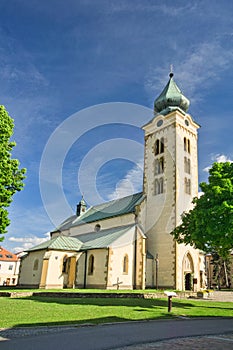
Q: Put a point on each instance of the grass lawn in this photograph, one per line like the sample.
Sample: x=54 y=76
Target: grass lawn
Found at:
x=48 y=311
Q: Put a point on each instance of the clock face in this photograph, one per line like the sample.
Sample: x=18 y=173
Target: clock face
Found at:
x=186 y=122
x=160 y=122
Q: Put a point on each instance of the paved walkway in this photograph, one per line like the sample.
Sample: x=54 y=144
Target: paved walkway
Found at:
x=160 y=334
x=215 y=342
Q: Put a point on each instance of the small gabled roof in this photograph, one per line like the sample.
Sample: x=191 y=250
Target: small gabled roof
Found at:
x=103 y=238
x=59 y=243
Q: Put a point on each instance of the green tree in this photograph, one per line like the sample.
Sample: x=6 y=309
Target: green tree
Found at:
x=209 y=225
x=11 y=177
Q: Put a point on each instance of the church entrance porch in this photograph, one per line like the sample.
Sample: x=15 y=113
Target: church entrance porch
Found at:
x=188 y=272
x=69 y=271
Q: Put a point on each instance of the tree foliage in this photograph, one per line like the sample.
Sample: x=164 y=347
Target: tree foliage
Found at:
x=11 y=177
x=209 y=225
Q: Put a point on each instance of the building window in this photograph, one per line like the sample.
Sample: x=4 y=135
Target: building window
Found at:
x=159 y=146
x=187 y=185
x=159 y=186
x=159 y=166
x=187 y=165
x=97 y=228
x=10 y=267
x=91 y=265
x=125 y=264
x=162 y=145
x=35 y=266
x=187 y=147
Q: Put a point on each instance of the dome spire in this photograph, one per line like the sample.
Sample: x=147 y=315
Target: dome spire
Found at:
x=170 y=98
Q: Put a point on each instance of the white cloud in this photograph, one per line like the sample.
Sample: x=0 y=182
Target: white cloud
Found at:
x=202 y=66
x=131 y=183
x=219 y=158
x=27 y=242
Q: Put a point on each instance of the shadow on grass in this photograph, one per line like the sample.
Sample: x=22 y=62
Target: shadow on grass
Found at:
x=143 y=304
x=126 y=302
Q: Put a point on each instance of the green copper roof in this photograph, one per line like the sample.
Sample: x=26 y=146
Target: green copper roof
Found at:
x=92 y=240
x=171 y=98
x=110 y=209
x=59 y=243
x=102 y=238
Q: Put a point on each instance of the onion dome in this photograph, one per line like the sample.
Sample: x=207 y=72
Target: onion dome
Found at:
x=171 y=98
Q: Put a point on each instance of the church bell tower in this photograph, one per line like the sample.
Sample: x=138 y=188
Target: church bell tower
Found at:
x=170 y=183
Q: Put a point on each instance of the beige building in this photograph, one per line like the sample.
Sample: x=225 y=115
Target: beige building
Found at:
x=126 y=243
x=9 y=268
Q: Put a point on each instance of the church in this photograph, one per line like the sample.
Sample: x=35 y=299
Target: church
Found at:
x=126 y=243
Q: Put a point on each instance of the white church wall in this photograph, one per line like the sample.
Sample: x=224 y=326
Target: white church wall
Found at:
x=121 y=220
x=116 y=273
x=56 y=278
x=30 y=272
x=97 y=279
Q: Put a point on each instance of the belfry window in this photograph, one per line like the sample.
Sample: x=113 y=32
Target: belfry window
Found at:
x=162 y=145
x=159 y=166
x=187 y=165
x=187 y=185
x=159 y=146
x=187 y=147
x=159 y=186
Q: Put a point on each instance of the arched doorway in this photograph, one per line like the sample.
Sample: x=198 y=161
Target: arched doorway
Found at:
x=188 y=281
x=188 y=271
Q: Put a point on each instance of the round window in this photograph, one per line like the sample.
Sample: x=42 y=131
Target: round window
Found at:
x=160 y=123
x=97 y=228
x=187 y=122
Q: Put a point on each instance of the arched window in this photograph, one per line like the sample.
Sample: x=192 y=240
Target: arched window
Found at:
x=185 y=144
x=187 y=185
x=157 y=147
x=159 y=186
x=156 y=187
x=35 y=265
x=65 y=264
x=156 y=166
x=162 y=145
x=91 y=265
x=159 y=166
x=188 y=148
x=126 y=264
x=187 y=165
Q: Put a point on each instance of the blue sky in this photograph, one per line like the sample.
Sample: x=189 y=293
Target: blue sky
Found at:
x=66 y=58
